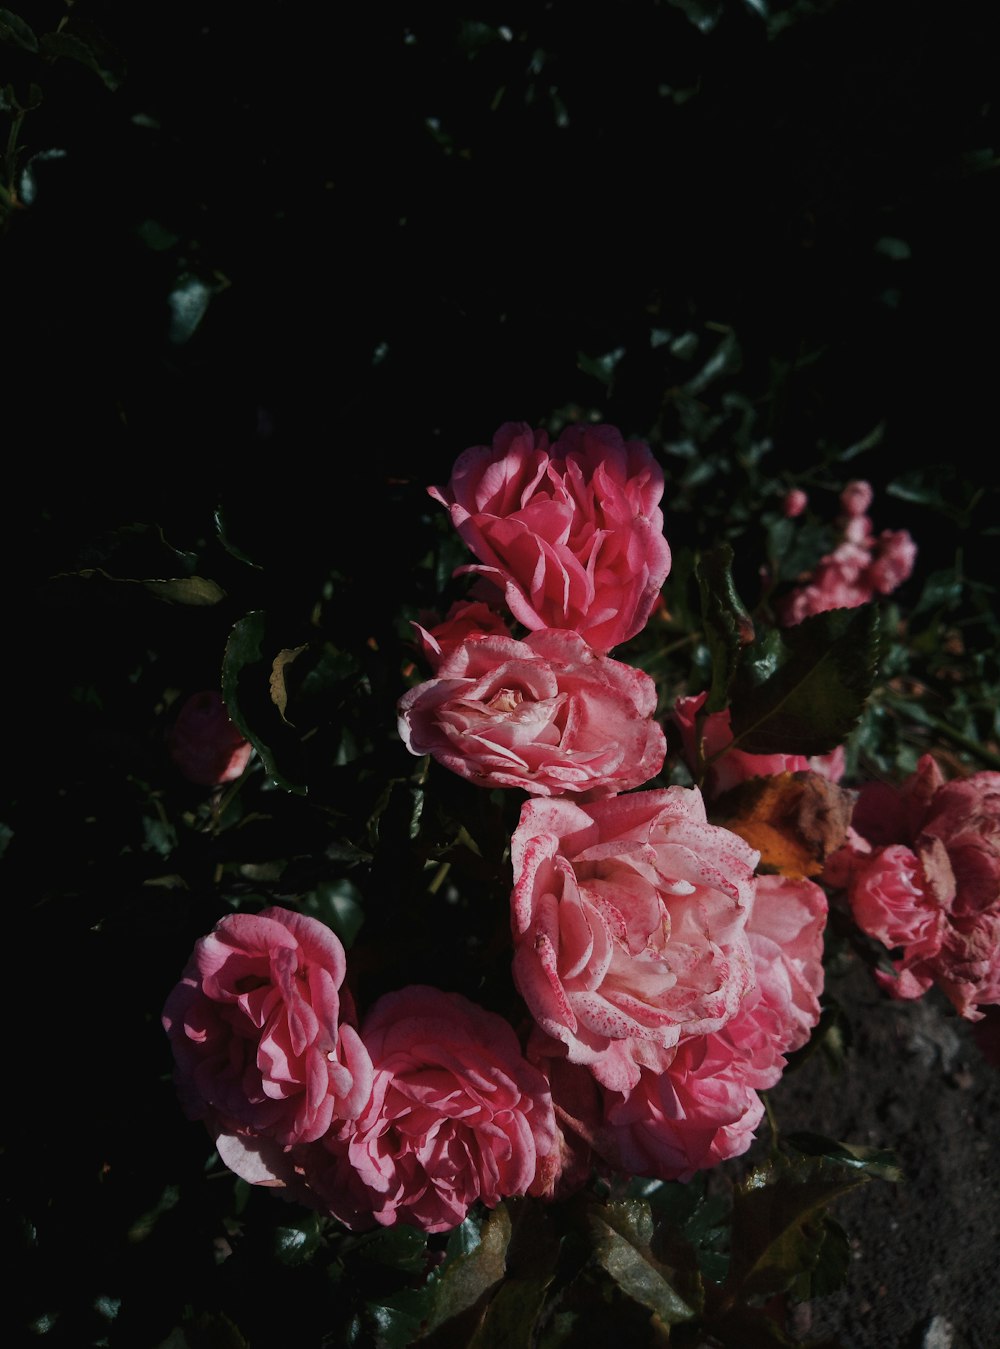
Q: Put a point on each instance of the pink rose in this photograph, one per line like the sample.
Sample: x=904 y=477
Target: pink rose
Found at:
x=545 y=714
x=703 y=1107
x=725 y=765
x=204 y=744
x=923 y=877
x=629 y=920
x=259 y=1026
x=466 y=620
x=457 y=1114
x=573 y=532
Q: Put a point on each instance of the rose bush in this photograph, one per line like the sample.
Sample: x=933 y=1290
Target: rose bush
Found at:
x=629 y=919
x=262 y=1032
x=546 y=715
x=456 y=1115
x=204 y=744
x=572 y=532
x=922 y=874
x=704 y=1107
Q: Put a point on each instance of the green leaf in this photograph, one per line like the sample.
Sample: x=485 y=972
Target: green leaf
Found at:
x=802 y=690
x=728 y=625
x=90 y=49
x=397 y=1318
x=879 y=1162
x=296 y=1242
x=14 y=29
x=778 y=1222
x=401 y=1247
x=621 y=1233
x=197 y=590
x=465 y=1279
x=337 y=904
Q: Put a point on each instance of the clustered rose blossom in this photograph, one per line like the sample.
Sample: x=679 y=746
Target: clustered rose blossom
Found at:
x=204 y=744
x=859 y=568
x=725 y=765
x=428 y=1109
x=664 y=982
x=572 y=532
x=922 y=874
x=546 y=715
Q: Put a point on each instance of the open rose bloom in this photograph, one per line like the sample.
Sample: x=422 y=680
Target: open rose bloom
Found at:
x=546 y=715
x=572 y=532
x=261 y=1030
x=702 y=1106
x=922 y=873
x=629 y=918
x=456 y=1116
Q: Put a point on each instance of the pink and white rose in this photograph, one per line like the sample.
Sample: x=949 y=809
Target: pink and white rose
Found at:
x=573 y=531
x=629 y=919
x=546 y=715
x=922 y=873
x=726 y=766
x=704 y=1107
x=262 y=1035
x=204 y=744
x=456 y=1115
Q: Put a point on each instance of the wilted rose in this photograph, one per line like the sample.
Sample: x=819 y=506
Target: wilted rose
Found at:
x=456 y=1115
x=629 y=920
x=922 y=872
x=573 y=532
x=204 y=744
x=546 y=715
x=261 y=1031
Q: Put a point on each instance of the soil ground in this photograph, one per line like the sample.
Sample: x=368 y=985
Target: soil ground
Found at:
x=922 y=1082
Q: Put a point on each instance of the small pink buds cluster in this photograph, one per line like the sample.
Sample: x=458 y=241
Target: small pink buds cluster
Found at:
x=861 y=566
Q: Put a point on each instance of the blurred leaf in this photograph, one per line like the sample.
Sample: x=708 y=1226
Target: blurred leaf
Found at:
x=398 y=1316
x=704 y=14
x=207 y=1330
x=801 y=690
x=90 y=49
x=14 y=29
x=188 y=304
x=728 y=625
x=601 y=367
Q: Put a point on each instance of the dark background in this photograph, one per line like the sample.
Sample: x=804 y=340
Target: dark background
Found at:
x=411 y=225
